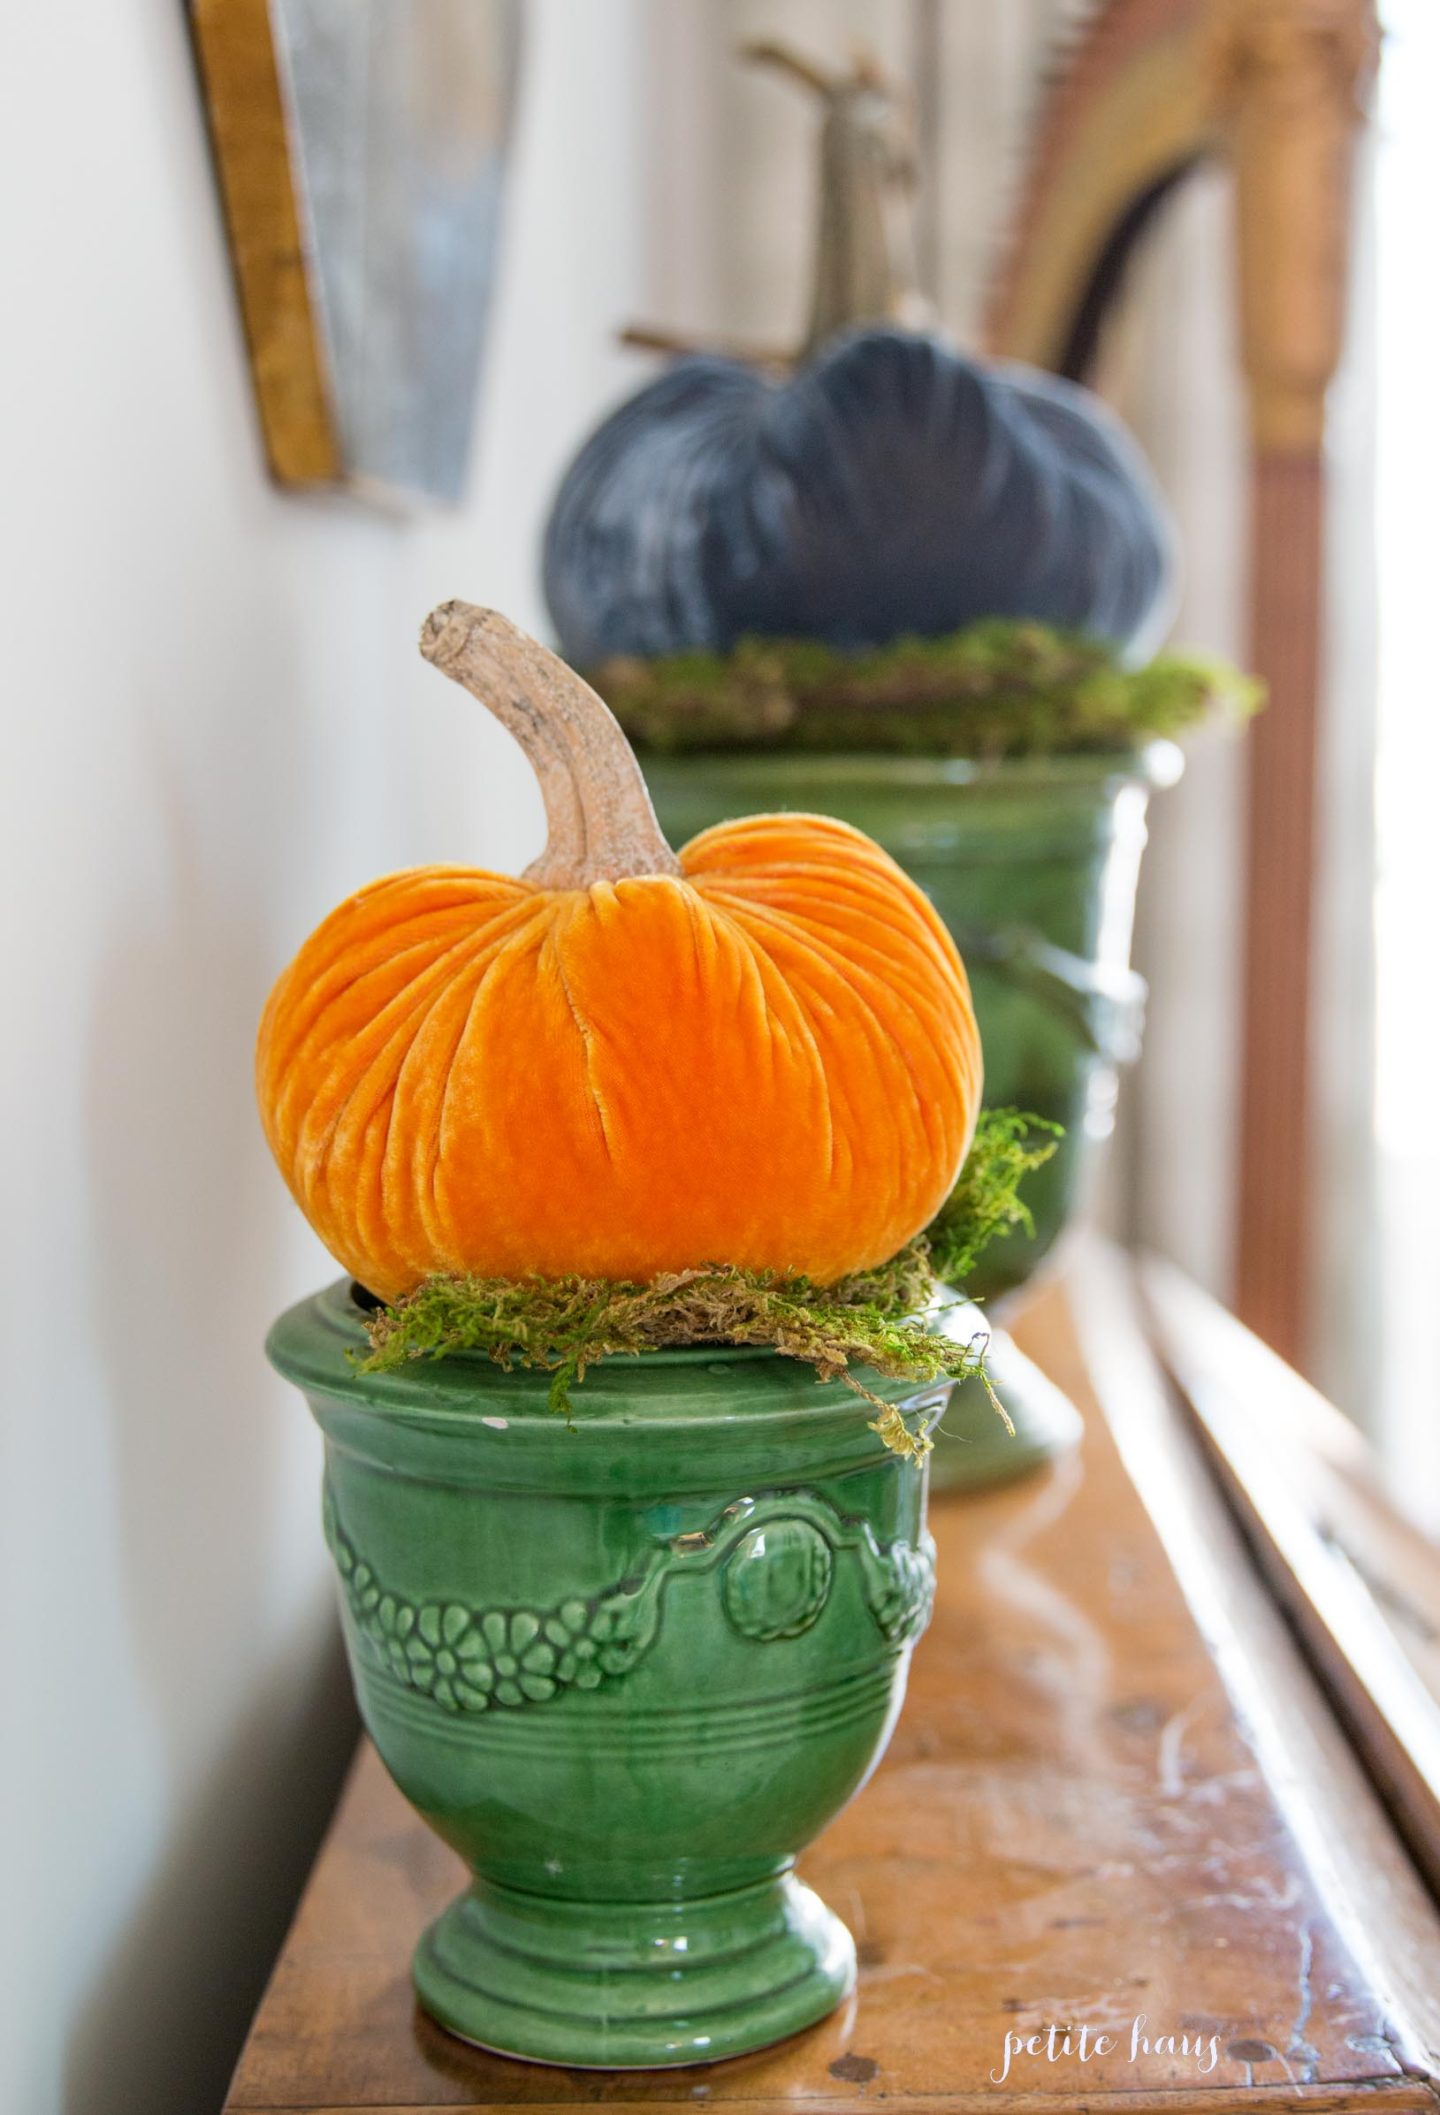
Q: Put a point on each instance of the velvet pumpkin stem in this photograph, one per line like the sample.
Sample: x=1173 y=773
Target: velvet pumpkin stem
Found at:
x=865 y=250
x=601 y=826
x=865 y=269
x=648 y=337
x=773 y=51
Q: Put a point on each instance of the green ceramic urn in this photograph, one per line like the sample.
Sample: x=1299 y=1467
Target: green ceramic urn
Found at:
x=627 y=1666
x=1033 y=865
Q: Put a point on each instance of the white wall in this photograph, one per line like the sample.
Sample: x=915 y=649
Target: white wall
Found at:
x=216 y=725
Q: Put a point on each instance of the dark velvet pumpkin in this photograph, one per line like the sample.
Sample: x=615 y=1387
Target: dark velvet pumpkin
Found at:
x=888 y=485
x=891 y=486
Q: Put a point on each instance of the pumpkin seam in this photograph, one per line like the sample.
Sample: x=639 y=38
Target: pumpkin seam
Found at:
x=585 y=1030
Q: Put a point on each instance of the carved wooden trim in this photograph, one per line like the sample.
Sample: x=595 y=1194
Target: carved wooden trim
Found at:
x=1291 y=78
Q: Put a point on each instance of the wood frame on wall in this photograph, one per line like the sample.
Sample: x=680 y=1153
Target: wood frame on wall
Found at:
x=1277 y=89
x=235 y=50
x=360 y=153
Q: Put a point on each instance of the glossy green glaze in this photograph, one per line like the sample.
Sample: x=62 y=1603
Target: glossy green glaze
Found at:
x=627 y=1667
x=973 y=1448
x=1033 y=865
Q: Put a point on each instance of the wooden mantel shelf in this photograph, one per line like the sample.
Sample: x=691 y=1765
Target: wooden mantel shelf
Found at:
x=1116 y=1795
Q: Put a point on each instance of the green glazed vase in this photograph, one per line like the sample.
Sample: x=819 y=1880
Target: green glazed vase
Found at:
x=626 y=1667
x=1033 y=865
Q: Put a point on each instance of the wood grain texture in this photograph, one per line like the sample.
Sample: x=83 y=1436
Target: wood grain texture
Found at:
x=235 y=45
x=1114 y=1791
x=1338 y=1823
x=1359 y=1584
x=1273 y=1194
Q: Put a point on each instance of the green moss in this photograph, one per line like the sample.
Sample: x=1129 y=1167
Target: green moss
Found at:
x=1001 y=688
x=873 y=1318
x=986 y=1201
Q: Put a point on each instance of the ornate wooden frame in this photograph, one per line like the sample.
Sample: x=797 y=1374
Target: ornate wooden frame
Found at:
x=359 y=152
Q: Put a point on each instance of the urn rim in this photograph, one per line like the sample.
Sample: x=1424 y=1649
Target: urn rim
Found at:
x=679 y=1394
x=1156 y=764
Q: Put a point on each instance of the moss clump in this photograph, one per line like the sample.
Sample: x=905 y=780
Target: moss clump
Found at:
x=986 y=1201
x=873 y=1319
x=1001 y=688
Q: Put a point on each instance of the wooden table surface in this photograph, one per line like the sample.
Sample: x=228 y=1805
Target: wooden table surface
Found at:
x=1115 y=1800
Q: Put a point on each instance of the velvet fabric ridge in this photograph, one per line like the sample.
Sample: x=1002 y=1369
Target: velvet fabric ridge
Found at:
x=770 y=1061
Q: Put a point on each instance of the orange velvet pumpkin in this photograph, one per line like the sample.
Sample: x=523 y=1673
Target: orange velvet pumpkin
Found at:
x=762 y=1053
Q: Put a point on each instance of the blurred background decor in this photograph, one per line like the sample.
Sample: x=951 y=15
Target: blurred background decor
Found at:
x=1277 y=90
x=883 y=485
x=361 y=150
x=894 y=546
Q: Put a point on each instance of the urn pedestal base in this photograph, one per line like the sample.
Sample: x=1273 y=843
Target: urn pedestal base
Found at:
x=973 y=1450
x=634 y=1984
